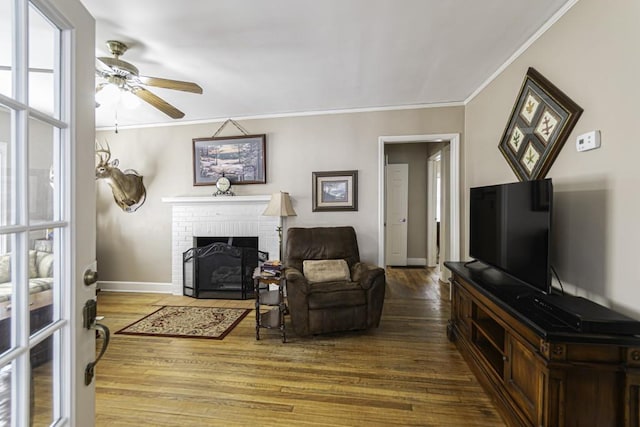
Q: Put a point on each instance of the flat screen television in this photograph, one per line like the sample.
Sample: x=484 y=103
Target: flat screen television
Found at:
x=510 y=229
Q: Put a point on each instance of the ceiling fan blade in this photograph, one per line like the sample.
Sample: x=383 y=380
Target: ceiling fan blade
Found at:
x=157 y=102
x=102 y=66
x=170 y=84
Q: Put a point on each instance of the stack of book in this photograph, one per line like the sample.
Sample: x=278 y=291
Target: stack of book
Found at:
x=271 y=268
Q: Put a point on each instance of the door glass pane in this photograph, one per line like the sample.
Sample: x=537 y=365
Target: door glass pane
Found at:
x=41 y=138
x=6 y=299
x=6 y=53
x=43 y=37
x=41 y=279
x=5 y=394
x=42 y=383
x=6 y=203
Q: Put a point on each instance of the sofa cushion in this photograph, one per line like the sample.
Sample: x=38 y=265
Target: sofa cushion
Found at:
x=35 y=286
x=327 y=270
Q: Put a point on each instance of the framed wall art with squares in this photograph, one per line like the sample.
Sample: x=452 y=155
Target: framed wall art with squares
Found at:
x=335 y=191
x=241 y=159
x=540 y=123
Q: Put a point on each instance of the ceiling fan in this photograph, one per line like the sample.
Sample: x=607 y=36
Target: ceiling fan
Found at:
x=124 y=75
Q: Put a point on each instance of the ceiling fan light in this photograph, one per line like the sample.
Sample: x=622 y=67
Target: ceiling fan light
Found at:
x=129 y=100
x=109 y=95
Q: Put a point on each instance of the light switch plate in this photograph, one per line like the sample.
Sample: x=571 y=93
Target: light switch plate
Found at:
x=588 y=141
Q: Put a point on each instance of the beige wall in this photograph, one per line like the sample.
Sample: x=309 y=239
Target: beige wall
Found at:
x=40 y=161
x=136 y=247
x=591 y=54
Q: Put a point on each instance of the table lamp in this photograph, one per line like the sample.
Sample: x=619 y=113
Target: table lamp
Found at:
x=279 y=205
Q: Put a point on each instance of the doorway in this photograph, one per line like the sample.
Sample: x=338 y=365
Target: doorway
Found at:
x=434 y=207
x=450 y=230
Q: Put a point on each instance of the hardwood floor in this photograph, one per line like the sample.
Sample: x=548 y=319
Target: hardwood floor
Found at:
x=405 y=373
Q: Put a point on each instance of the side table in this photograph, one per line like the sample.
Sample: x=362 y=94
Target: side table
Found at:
x=274 y=317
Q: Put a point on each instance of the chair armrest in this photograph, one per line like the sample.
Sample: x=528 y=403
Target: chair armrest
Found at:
x=366 y=274
x=295 y=279
x=298 y=300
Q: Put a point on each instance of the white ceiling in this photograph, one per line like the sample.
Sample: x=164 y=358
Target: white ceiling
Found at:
x=267 y=57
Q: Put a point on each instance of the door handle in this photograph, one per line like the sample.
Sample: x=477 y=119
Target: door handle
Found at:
x=89 y=371
x=89 y=313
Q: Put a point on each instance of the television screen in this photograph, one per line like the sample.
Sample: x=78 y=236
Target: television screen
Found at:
x=510 y=228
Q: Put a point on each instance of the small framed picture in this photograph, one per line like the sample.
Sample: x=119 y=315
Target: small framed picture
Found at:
x=335 y=191
x=241 y=159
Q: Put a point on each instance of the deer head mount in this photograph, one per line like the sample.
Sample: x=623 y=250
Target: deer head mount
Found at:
x=127 y=187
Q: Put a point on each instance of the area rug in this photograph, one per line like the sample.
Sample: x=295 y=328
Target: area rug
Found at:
x=188 y=321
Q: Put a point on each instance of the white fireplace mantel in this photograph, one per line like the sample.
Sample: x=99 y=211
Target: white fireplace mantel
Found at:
x=196 y=200
x=219 y=216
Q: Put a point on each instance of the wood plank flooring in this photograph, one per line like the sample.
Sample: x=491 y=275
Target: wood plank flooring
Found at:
x=405 y=373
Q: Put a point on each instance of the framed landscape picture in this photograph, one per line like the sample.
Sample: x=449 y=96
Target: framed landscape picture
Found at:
x=540 y=123
x=240 y=158
x=335 y=191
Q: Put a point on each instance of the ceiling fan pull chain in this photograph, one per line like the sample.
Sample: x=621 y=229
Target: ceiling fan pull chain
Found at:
x=116 y=114
x=240 y=128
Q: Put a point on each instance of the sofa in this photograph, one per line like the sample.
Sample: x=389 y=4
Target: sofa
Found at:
x=40 y=299
x=328 y=288
x=40 y=277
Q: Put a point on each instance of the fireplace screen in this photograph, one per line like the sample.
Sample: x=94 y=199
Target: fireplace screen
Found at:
x=219 y=270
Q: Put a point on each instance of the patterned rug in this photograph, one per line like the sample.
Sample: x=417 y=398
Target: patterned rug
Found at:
x=189 y=322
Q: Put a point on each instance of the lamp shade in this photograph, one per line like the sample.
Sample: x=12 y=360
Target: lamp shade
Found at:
x=279 y=205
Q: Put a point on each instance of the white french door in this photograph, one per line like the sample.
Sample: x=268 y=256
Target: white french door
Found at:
x=46 y=92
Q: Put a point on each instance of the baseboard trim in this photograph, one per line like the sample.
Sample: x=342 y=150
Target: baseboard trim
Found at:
x=417 y=261
x=148 y=287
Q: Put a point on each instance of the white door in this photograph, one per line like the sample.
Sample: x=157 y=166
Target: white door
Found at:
x=397 y=200
x=47 y=223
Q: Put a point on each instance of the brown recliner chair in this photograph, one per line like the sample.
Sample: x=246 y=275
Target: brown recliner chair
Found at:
x=351 y=303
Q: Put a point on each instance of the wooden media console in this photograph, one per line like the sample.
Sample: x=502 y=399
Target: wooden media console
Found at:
x=539 y=369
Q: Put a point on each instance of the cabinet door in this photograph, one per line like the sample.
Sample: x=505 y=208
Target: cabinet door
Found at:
x=524 y=378
x=463 y=310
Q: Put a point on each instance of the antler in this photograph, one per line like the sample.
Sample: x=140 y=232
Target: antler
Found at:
x=100 y=149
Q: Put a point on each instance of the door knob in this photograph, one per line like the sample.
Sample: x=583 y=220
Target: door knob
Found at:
x=90 y=277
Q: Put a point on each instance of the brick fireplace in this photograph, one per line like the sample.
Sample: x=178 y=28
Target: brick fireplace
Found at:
x=229 y=216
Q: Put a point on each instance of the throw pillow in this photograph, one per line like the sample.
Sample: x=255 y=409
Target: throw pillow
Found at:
x=33 y=271
x=327 y=270
x=5 y=268
x=44 y=263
